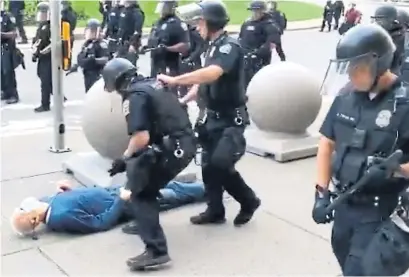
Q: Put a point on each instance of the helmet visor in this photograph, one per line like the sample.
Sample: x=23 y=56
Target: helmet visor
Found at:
x=165 y=7
x=92 y=33
x=189 y=13
x=349 y=74
x=42 y=16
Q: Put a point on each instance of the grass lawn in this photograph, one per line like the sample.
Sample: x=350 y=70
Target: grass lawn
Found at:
x=294 y=10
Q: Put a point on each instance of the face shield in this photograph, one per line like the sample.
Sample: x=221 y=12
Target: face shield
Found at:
x=271 y=6
x=358 y=74
x=190 y=13
x=1 y=5
x=256 y=14
x=165 y=7
x=42 y=16
x=384 y=22
x=92 y=33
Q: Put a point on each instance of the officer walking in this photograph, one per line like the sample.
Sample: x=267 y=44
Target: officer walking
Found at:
x=280 y=21
x=105 y=9
x=339 y=9
x=327 y=15
x=16 y=8
x=69 y=15
x=130 y=30
x=258 y=35
x=94 y=54
x=162 y=144
x=8 y=48
x=369 y=122
x=170 y=36
x=387 y=17
x=112 y=26
x=221 y=128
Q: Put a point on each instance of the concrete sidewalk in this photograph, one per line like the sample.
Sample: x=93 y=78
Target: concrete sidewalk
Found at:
x=292 y=26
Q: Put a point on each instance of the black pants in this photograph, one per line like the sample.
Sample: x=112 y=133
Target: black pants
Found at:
x=280 y=51
x=20 y=25
x=326 y=20
x=145 y=179
x=90 y=77
x=355 y=224
x=44 y=72
x=8 y=77
x=336 y=20
x=222 y=149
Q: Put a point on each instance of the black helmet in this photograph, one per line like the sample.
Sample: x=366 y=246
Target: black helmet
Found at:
x=257 y=5
x=114 y=72
x=43 y=7
x=93 y=24
x=215 y=14
x=386 y=16
x=403 y=18
x=65 y=4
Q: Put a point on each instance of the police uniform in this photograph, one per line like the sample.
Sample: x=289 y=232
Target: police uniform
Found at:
x=112 y=28
x=339 y=9
x=148 y=106
x=91 y=50
x=69 y=15
x=361 y=125
x=17 y=8
x=8 y=48
x=327 y=15
x=105 y=8
x=257 y=37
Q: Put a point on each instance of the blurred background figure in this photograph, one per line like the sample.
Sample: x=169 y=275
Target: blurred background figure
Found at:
x=327 y=15
x=16 y=8
x=339 y=9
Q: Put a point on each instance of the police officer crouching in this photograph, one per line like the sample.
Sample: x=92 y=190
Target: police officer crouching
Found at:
x=387 y=17
x=221 y=127
x=94 y=54
x=258 y=35
x=170 y=37
x=8 y=49
x=162 y=144
x=368 y=124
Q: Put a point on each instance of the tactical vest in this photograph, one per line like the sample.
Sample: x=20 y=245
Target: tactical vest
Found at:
x=361 y=132
x=166 y=113
x=227 y=92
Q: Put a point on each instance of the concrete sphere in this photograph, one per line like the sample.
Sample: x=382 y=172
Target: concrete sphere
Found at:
x=103 y=122
x=284 y=97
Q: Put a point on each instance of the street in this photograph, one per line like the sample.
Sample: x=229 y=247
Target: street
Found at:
x=281 y=240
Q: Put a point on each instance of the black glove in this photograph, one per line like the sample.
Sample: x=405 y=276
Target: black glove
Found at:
x=118 y=166
x=143 y=49
x=322 y=201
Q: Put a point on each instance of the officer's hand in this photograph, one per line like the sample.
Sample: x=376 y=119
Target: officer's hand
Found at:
x=322 y=201
x=143 y=49
x=118 y=166
x=167 y=80
x=125 y=194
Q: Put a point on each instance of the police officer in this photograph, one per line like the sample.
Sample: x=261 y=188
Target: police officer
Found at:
x=221 y=128
x=280 y=21
x=16 y=8
x=327 y=15
x=170 y=36
x=387 y=17
x=258 y=35
x=368 y=122
x=94 y=54
x=112 y=26
x=403 y=18
x=130 y=30
x=69 y=15
x=8 y=48
x=41 y=48
x=105 y=8
x=162 y=144
x=339 y=10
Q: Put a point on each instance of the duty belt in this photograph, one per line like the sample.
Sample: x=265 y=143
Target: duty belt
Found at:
x=236 y=114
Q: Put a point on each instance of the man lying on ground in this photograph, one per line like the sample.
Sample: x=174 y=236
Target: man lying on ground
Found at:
x=87 y=210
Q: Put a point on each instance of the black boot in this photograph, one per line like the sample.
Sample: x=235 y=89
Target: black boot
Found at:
x=42 y=109
x=131 y=228
x=246 y=213
x=147 y=260
x=207 y=218
x=12 y=100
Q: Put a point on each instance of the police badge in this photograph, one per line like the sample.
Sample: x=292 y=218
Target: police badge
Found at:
x=383 y=119
x=125 y=107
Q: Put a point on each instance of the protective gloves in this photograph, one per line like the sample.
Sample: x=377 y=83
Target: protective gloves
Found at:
x=322 y=201
x=118 y=166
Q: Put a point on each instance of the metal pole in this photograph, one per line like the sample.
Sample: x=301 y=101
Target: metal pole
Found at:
x=58 y=95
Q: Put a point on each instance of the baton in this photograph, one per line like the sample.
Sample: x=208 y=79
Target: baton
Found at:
x=391 y=163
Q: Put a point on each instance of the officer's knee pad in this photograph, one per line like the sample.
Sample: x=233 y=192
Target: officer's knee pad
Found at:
x=388 y=252
x=230 y=148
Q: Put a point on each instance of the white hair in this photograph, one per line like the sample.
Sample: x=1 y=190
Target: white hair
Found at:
x=14 y=226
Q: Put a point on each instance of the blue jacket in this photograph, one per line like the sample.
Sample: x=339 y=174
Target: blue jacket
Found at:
x=96 y=209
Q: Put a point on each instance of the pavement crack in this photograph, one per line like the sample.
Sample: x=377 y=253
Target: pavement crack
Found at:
x=52 y=261
x=31 y=176
x=16 y=252
x=296 y=226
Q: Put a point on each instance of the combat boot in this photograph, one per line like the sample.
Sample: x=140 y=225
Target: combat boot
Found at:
x=246 y=213
x=131 y=228
x=207 y=218
x=147 y=260
x=42 y=109
x=12 y=100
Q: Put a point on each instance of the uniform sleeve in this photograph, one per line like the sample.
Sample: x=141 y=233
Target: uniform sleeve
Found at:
x=327 y=127
x=139 y=19
x=136 y=111
x=103 y=50
x=226 y=57
x=180 y=32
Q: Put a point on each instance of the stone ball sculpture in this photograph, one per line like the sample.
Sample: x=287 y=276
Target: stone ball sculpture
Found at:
x=103 y=122
x=284 y=97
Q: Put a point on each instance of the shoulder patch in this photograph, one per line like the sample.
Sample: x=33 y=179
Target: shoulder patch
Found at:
x=13 y=19
x=184 y=26
x=125 y=107
x=225 y=49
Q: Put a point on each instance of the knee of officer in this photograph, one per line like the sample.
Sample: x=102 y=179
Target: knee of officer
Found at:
x=230 y=148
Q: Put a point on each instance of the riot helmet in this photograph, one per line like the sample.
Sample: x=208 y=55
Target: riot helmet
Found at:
x=258 y=8
x=166 y=7
x=271 y=5
x=43 y=12
x=363 y=54
x=115 y=73
x=129 y=3
x=403 y=18
x=93 y=29
x=189 y=13
x=65 y=4
x=386 y=16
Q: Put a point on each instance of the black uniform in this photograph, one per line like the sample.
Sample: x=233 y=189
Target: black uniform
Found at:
x=257 y=38
x=339 y=10
x=8 y=48
x=16 y=8
x=105 y=9
x=280 y=21
x=363 y=125
x=69 y=15
x=148 y=106
x=327 y=15
x=112 y=28
x=403 y=18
